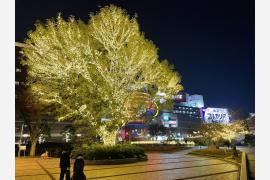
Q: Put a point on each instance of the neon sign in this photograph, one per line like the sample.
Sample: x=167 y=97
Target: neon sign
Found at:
x=152 y=108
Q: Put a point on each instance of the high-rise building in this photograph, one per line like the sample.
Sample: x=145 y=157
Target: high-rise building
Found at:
x=185 y=99
x=251 y=123
x=186 y=116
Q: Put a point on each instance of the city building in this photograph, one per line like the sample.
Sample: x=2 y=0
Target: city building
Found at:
x=185 y=120
x=251 y=123
x=186 y=115
x=134 y=131
x=185 y=99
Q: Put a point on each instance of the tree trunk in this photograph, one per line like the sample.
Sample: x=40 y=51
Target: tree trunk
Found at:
x=235 y=153
x=109 y=138
x=33 y=147
x=213 y=146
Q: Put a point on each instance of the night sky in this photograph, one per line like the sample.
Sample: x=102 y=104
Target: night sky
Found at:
x=211 y=43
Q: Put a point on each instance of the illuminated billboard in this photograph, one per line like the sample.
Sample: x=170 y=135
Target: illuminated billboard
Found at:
x=169 y=119
x=216 y=115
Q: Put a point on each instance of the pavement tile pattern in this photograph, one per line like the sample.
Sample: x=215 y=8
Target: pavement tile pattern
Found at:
x=160 y=166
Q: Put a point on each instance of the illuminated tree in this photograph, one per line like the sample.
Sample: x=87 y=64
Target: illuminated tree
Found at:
x=92 y=69
x=234 y=131
x=46 y=133
x=211 y=133
x=214 y=132
x=156 y=129
x=32 y=112
x=68 y=133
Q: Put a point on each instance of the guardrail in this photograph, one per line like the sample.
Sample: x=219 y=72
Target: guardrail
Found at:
x=243 y=171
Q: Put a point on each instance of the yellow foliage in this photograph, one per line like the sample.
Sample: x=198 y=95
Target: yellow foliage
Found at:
x=92 y=69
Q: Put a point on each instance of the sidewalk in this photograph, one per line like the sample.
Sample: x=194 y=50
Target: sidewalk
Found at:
x=160 y=166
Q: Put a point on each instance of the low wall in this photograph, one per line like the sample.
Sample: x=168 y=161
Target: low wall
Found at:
x=243 y=171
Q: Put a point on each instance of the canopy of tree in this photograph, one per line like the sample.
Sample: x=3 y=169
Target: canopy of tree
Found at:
x=92 y=70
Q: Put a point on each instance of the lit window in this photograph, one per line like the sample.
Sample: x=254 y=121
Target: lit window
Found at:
x=18 y=70
x=17 y=82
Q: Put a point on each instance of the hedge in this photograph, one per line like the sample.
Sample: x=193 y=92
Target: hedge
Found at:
x=101 y=152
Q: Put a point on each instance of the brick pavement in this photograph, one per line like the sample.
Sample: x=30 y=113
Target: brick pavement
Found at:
x=160 y=166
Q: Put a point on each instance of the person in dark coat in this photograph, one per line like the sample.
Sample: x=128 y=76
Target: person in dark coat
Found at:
x=78 y=169
x=65 y=165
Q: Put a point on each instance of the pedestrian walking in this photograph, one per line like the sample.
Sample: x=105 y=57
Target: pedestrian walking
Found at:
x=65 y=165
x=78 y=169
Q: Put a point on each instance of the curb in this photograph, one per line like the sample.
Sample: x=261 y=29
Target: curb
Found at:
x=214 y=157
x=243 y=171
x=242 y=165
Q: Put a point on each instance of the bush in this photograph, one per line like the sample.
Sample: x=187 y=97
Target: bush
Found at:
x=99 y=152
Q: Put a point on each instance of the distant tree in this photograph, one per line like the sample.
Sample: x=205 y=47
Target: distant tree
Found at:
x=88 y=136
x=170 y=133
x=32 y=111
x=156 y=129
x=215 y=132
x=46 y=133
x=234 y=131
x=91 y=69
x=211 y=133
x=200 y=141
x=68 y=133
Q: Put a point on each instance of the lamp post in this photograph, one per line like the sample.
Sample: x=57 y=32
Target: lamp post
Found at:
x=20 y=142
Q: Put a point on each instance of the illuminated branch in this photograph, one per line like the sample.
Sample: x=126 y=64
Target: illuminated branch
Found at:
x=91 y=69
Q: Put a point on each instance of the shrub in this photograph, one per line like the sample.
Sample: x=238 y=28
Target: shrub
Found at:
x=99 y=152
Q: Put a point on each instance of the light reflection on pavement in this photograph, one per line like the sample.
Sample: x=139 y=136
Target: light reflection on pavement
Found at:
x=160 y=166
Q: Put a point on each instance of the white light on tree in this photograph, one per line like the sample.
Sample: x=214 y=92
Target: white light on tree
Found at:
x=90 y=70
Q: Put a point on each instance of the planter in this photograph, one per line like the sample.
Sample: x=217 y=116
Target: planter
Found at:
x=114 y=161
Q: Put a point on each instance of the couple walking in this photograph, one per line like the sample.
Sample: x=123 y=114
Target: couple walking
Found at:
x=77 y=169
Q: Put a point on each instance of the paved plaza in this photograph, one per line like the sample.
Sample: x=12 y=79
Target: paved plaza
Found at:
x=160 y=166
